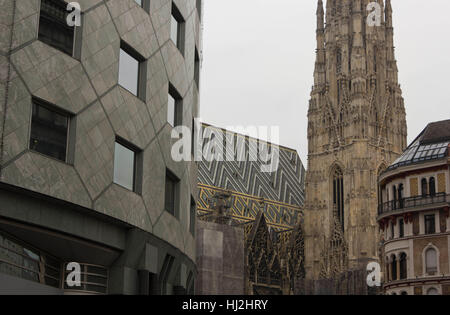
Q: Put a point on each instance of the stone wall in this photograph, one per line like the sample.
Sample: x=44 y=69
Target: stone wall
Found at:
x=348 y=283
x=220 y=259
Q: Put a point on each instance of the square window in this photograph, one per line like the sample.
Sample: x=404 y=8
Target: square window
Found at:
x=53 y=27
x=174 y=28
x=49 y=131
x=171 y=194
x=124 y=166
x=177 y=25
x=174 y=108
x=430 y=224
x=171 y=111
x=129 y=72
x=197 y=69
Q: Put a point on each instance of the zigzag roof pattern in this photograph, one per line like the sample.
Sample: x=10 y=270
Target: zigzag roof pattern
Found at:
x=286 y=185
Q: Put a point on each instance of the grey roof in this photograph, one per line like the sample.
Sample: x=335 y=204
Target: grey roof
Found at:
x=432 y=144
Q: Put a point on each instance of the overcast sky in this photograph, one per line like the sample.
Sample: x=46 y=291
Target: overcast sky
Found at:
x=259 y=60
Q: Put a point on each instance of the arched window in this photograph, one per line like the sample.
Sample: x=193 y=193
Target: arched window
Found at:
x=404 y=293
x=403 y=266
x=424 y=187
x=431 y=262
x=432 y=291
x=394 y=268
x=400 y=196
x=338 y=195
x=432 y=187
x=388 y=266
x=394 y=193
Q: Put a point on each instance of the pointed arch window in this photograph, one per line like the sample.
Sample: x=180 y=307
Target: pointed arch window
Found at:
x=394 y=193
x=431 y=261
x=338 y=195
x=394 y=268
x=432 y=187
x=424 y=187
x=432 y=291
x=403 y=266
x=400 y=196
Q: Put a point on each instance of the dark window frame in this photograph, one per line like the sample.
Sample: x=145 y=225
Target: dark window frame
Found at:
x=76 y=32
x=403 y=266
x=430 y=228
x=142 y=70
x=424 y=184
x=178 y=110
x=137 y=165
x=176 y=194
x=394 y=268
x=197 y=67
x=70 y=133
x=338 y=196
x=46 y=262
x=181 y=33
x=432 y=187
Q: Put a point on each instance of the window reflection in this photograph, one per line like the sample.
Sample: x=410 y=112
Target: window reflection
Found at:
x=171 y=193
x=128 y=72
x=53 y=28
x=174 y=30
x=21 y=261
x=124 y=165
x=49 y=131
x=171 y=111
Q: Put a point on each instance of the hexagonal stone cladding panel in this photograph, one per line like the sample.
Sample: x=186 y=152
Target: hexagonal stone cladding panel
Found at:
x=100 y=50
x=129 y=117
x=38 y=173
x=54 y=76
x=94 y=153
x=134 y=26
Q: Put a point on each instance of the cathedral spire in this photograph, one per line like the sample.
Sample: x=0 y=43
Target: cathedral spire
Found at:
x=356 y=120
x=319 y=72
x=390 y=57
x=320 y=16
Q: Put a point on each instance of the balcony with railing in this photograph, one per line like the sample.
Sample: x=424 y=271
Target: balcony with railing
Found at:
x=405 y=204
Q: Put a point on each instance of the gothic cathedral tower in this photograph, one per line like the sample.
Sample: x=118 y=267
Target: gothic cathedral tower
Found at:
x=356 y=128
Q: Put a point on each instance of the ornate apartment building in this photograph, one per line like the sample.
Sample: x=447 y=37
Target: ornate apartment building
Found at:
x=414 y=216
x=86 y=173
x=356 y=128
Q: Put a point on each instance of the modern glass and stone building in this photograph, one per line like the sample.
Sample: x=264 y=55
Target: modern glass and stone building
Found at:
x=413 y=216
x=86 y=174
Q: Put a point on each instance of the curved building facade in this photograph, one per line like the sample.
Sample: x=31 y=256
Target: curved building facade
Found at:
x=88 y=101
x=414 y=217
